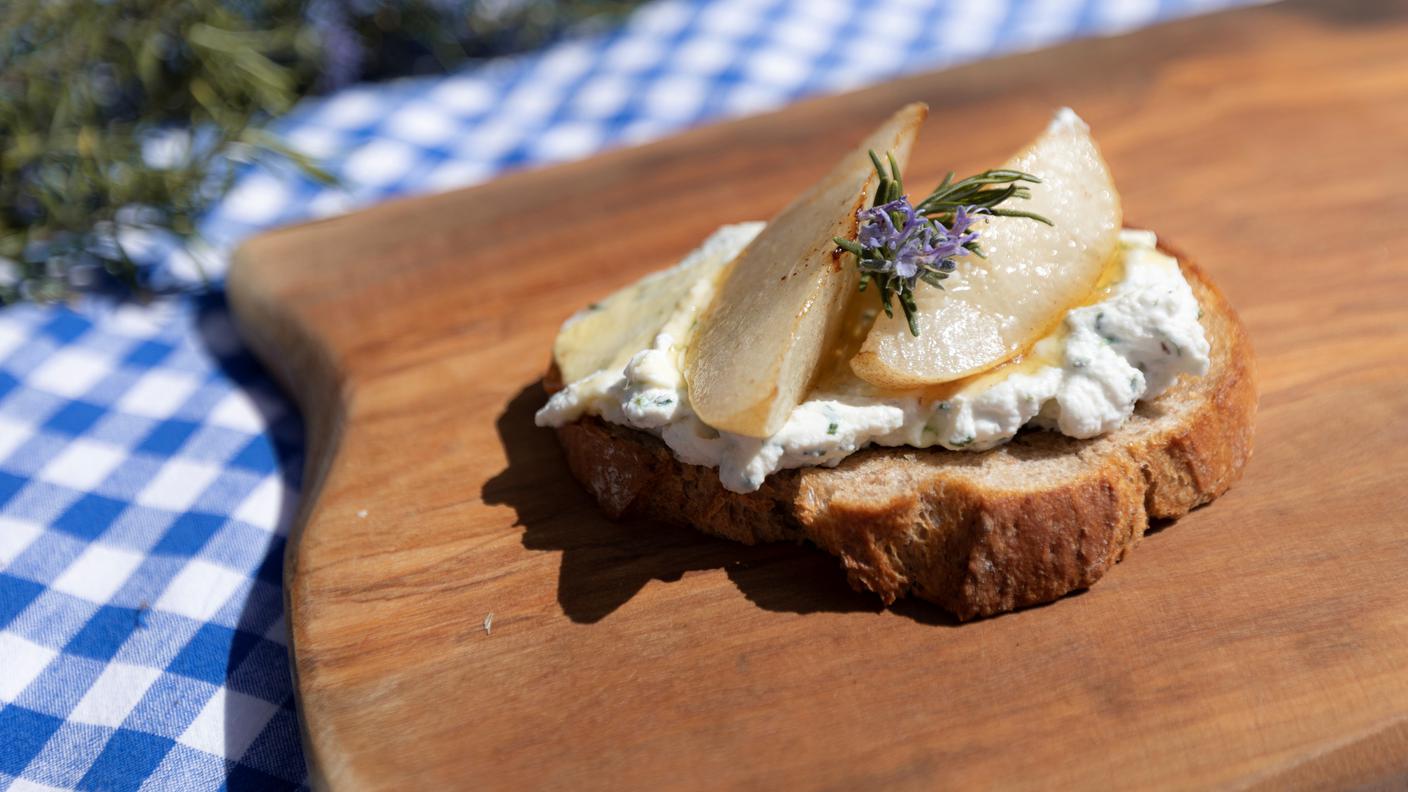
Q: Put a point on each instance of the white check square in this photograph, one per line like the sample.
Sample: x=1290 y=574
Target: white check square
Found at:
x=268 y=506
x=705 y=57
x=331 y=202
x=25 y=785
x=351 y=109
x=114 y=694
x=83 y=464
x=633 y=54
x=228 y=723
x=70 y=372
x=20 y=662
x=815 y=16
x=969 y=31
x=457 y=173
x=1115 y=17
x=237 y=411
x=158 y=394
x=11 y=338
x=15 y=536
x=316 y=141
x=200 y=590
x=138 y=320
x=98 y=573
x=463 y=95
x=423 y=124
x=178 y=484
x=568 y=141
x=782 y=70
x=256 y=200
x=602 y=96
x=676 y=98
x=196 y=261
x=12 y=435
x=491 y=139
x=752 y=98
x=724 y=19
x=379 y=163
x=563 y=63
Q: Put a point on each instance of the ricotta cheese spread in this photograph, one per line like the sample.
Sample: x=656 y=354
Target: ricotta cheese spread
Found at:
x=1083 y=379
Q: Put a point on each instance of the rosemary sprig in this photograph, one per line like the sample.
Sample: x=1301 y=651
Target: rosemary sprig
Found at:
x=900 y=244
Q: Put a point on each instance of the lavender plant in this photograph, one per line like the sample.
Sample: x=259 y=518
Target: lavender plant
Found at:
x=134 y=114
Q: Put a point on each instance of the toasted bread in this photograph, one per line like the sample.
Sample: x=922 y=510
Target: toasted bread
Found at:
x=978 y=533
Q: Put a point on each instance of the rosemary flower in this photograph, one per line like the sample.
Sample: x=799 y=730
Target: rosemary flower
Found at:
x=899 y=243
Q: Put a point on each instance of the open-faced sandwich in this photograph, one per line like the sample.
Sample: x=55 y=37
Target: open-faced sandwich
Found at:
x=979 y=395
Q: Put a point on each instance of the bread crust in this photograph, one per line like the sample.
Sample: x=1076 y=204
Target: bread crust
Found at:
x=978 y=533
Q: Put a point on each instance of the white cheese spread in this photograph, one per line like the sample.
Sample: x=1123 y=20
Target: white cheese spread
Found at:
x=1082 y=380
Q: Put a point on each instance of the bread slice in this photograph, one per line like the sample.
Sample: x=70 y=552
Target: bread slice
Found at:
x=978 y=533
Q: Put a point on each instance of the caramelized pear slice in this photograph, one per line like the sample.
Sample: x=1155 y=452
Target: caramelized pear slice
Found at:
x=604 y=335
x=991 y=309
x=757 y=346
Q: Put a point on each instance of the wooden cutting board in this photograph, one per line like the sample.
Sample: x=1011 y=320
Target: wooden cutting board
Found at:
x=1260 y=641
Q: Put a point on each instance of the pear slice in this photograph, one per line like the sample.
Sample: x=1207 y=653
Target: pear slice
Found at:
x=757 y=346
x=991 y=309
x=605 y=334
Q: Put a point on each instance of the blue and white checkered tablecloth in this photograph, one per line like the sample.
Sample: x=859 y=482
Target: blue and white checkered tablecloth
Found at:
x=149 y=469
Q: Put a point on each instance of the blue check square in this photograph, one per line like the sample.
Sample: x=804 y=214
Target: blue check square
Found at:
x=213 y=653
x=10 y=484
x=25 y=732
x=168 y=437
x=126 y=761
x=75 y=418
x=65 y=326
x=15 y=595
x=105 y=633
x=147 y=354
x=188 y=534
x=90 y=516
x=259 y=455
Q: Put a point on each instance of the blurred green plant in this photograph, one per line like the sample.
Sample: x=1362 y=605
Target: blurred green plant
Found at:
x=133 y=115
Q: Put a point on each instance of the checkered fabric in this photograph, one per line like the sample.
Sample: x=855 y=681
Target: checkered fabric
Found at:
x=148 y=468
x=148 y=474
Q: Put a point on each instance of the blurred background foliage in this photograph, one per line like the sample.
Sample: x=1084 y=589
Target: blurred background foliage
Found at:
x=122 y=117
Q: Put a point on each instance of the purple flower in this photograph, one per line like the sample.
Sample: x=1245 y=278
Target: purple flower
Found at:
x=900 y=242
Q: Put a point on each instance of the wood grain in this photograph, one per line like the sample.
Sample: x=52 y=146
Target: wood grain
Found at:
x=1261 y=641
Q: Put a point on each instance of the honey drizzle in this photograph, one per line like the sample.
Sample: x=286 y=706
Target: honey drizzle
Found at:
x=836 y=375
